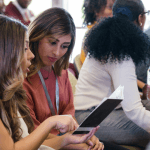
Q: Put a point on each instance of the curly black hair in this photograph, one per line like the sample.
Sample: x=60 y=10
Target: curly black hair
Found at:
x=117 y=39
x=89 y=9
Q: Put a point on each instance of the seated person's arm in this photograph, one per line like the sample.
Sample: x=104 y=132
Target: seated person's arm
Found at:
x=124 y=74
x=6 y=141
x=32 y=141
x=140 y=84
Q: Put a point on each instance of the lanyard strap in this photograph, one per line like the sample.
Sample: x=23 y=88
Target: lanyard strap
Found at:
x=47 y=95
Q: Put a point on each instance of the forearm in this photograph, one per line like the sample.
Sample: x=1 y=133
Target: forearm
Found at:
x=82 y=146
x=50 y=136
x=36 y=138
x=140 y=84
x=56 y=142
x=61 y=142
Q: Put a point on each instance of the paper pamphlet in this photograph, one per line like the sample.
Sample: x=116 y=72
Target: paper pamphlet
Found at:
x=106 y=106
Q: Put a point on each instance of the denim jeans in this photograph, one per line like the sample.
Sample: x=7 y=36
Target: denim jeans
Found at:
x=117 y=128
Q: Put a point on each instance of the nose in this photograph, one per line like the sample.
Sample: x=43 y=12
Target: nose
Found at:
x=56 y=51
x=30 y=55
x=111 y=2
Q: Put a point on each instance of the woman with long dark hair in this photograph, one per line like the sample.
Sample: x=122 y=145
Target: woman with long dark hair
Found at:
x=115 y=46
x=51 y=39
x=16 y=125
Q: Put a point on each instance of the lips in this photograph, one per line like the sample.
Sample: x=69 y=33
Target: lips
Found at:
x=28 y=70
x=52 y=59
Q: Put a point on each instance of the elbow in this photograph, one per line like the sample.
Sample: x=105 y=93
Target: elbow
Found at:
x=140 y=116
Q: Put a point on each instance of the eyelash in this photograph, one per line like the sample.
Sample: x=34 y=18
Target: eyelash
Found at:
x=65 y=47
x=26 y=49
x=54 y=43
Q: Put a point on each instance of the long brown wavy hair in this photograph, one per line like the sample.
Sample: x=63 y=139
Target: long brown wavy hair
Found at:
x=52 y=22
x=12 y=95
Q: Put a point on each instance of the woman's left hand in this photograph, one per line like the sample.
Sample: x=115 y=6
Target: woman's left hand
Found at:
x=95 y=143
x=80 y=138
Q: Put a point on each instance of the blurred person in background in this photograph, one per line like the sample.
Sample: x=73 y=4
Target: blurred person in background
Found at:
x=142 y=68
x=2 y=6
x=94 y=10
x=18 y=9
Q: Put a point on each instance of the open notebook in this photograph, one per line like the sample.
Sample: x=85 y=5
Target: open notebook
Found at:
x=106 y=106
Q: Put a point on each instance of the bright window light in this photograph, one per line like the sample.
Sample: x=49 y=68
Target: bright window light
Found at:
x=147 y=7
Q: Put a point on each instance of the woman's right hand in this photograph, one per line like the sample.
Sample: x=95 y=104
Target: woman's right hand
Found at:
x=83 y=138
x=63 y=123
x=146 y=92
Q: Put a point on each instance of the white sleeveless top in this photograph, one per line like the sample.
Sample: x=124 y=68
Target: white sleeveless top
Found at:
x=25 y=133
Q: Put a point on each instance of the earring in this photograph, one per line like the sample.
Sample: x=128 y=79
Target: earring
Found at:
x=140 y=24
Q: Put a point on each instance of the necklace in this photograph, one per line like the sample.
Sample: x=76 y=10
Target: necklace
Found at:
x=49 y=71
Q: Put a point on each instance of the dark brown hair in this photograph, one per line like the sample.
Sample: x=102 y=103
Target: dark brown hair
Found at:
x=132 y=8
x=12 y=95
x=90 y=8
x=52 y=22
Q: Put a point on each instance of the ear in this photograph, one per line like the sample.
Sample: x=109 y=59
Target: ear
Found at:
x=141 y=21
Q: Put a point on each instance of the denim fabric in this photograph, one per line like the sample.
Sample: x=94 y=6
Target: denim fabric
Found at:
x=117 y=128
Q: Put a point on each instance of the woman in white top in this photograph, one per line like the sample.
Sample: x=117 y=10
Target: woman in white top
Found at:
x=115 y=46
x=15 y=120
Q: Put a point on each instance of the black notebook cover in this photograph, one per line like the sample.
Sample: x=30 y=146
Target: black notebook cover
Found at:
x=98 y=115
